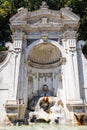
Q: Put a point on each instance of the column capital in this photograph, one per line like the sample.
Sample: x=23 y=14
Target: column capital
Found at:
x=69 y=44
x=70 y=34
x=18 y=36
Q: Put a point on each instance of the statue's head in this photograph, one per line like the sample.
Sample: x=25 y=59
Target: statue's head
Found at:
x=45 y=88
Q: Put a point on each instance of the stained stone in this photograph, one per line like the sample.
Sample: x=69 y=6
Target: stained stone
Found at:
x=44 y=52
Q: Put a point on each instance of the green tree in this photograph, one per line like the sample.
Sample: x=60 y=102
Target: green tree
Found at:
x=56 y=4
x=6 y=11
x=80 y=8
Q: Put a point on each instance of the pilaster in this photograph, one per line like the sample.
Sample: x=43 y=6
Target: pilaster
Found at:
x=73 y=88
x=17 y=46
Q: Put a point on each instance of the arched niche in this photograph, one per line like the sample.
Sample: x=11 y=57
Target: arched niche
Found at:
x=44 y=55
x=37 y=42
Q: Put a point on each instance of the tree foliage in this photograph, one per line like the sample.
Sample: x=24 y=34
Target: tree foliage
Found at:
x=9 y=8
x=6 y=11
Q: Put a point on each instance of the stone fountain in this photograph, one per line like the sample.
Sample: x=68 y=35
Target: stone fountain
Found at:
x=53 y=110
x=48 y=109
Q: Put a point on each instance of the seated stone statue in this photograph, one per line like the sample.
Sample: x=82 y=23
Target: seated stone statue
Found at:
x=44 y=103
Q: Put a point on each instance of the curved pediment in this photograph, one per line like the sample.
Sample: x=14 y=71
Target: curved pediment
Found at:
x=21 y=15
x=44 y=19
x=65 y=13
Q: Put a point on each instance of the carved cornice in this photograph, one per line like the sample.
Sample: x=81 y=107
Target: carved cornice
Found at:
x=60 y=62
x=49 y=35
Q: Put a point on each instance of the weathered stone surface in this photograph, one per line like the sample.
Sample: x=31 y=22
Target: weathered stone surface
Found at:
x=48 y=111
x=44 y=52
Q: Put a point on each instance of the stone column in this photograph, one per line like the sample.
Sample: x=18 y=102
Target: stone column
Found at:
x=73 y=71
x=23 y=85
x=17 y=44
x=73 y=68
x=73 y=88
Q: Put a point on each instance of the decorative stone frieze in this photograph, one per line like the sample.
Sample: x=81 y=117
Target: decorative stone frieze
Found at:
x=41 y=75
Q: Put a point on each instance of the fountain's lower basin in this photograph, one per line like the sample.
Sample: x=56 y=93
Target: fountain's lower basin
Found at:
x=45 y=126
